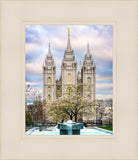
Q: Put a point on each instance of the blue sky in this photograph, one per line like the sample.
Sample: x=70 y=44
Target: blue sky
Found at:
x=99 y=37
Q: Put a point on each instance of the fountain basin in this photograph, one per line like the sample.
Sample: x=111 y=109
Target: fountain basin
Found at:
x=70 y=128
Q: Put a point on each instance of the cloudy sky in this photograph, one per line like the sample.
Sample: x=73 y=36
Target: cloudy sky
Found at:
x=100 y=41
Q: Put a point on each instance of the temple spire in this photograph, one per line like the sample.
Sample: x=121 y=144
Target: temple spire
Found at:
x=68 y=43
x=49 y=51
x=88 y=51
x=80 y=67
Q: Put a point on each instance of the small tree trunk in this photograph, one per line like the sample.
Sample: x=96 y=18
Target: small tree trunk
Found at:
x=71 y=117
x=76 y=118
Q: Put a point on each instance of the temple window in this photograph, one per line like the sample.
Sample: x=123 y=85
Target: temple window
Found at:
x=49 y=80
x=69 y=78
x=49 y=89
x=89 y=80
x=49 y=97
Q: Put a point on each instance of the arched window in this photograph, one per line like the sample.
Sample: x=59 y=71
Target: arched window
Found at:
x=69 y=78
x=89 y=80
x=49 y=80
x=49 y=89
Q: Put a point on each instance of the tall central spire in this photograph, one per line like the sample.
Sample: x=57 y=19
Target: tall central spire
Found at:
x=49 y=51
x=88 y=51
x=68 y=43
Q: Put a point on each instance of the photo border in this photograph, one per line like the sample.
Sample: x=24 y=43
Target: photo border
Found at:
x=114 y=65
x=24 y=137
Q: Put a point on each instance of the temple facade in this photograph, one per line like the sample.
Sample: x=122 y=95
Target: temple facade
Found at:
x=86 y=74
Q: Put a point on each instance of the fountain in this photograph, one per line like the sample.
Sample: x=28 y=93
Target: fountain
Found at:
x=70 y=128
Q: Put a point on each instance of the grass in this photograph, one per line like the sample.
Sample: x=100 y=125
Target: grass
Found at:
x=110 y=128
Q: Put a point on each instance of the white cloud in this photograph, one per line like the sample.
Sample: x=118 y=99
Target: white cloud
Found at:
x=34 y=67
x=31 y=83
x=103 y=54
x=30 y=48
x=104 y=85
x=103 y=78
x=58 y=44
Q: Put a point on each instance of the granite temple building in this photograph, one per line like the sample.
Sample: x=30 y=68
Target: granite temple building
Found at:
x=86 y=74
